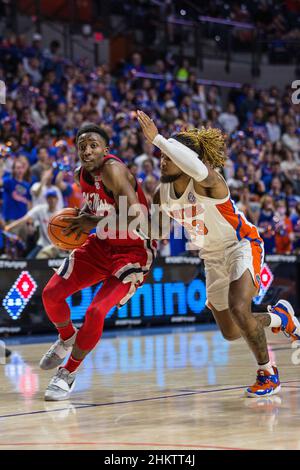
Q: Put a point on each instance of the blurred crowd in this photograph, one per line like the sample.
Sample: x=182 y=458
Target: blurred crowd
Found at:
x=49 y=98
x=275 y=23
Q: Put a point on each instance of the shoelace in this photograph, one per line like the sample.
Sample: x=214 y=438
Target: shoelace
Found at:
x=58 y=342
x=49 y=353
x=262 y=379
x=61 y=374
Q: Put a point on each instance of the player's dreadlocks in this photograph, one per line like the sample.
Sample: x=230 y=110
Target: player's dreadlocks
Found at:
x=208 y=143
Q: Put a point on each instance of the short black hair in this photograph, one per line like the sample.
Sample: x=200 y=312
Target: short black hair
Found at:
x=92 y=128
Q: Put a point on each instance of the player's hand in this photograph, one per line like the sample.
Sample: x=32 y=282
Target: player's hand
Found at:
x=80 y=224
x=148 y=127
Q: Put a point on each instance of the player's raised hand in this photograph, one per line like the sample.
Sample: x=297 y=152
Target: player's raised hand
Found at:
x=148 y=127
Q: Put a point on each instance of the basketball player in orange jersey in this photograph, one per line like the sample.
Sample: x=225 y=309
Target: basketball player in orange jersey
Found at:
x=194 y=193
x=121 y=263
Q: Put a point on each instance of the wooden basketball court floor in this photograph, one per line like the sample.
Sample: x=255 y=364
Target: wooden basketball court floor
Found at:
x=167 y=389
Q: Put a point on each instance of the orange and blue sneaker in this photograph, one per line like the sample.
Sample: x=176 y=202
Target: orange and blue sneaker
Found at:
x=289 y=323
x=266 y=384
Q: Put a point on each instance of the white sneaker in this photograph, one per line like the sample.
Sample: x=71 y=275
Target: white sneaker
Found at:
x=60 y=386
x=57 y=352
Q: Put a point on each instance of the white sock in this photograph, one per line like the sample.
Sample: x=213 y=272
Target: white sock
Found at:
x=275 y=320
x=268 y=367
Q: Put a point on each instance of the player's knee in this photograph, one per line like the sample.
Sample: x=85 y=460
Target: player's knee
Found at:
x=48 y=295
x=51 y=294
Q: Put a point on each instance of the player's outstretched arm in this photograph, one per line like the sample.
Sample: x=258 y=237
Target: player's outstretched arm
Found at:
x=183 y=157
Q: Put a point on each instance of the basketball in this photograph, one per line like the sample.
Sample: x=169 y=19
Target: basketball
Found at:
x=55 y=230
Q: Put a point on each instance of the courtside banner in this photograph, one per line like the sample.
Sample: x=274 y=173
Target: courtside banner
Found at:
x=173 y=294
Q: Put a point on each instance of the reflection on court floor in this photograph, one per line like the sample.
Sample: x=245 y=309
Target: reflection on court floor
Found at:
x=131 y=355
x=181 y=388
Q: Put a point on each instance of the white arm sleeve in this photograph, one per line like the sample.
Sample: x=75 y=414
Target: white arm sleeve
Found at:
x=186 y=159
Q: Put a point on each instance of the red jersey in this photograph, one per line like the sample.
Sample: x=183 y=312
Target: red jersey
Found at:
x=101 y=202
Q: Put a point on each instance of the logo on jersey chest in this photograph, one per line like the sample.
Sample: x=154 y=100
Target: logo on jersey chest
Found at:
x=97 y=182
x=97 y=205
x=191 y=197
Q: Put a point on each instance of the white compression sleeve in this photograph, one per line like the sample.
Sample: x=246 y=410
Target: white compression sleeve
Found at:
x=185 y=158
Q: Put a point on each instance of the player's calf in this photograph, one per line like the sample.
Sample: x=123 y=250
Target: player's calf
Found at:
x=251 y=329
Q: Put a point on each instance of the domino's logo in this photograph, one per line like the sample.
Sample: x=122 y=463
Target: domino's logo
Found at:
x=19 y=295
x=266 y=278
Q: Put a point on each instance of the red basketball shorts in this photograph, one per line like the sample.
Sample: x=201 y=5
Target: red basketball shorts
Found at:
x=97 y=260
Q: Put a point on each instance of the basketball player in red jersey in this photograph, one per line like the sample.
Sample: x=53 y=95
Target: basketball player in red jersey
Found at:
x=197 y=196
x=120 y=263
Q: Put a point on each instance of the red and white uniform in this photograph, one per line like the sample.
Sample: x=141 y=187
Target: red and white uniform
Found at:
x=226 y=240
x=98 y=259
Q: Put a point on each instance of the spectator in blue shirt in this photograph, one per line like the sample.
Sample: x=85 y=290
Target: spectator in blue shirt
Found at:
x=135 y=65
x=148 y=169
x=266 y=224
x=16 y=195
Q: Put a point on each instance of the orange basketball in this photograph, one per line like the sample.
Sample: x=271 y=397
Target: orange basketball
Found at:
x=56 y=226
